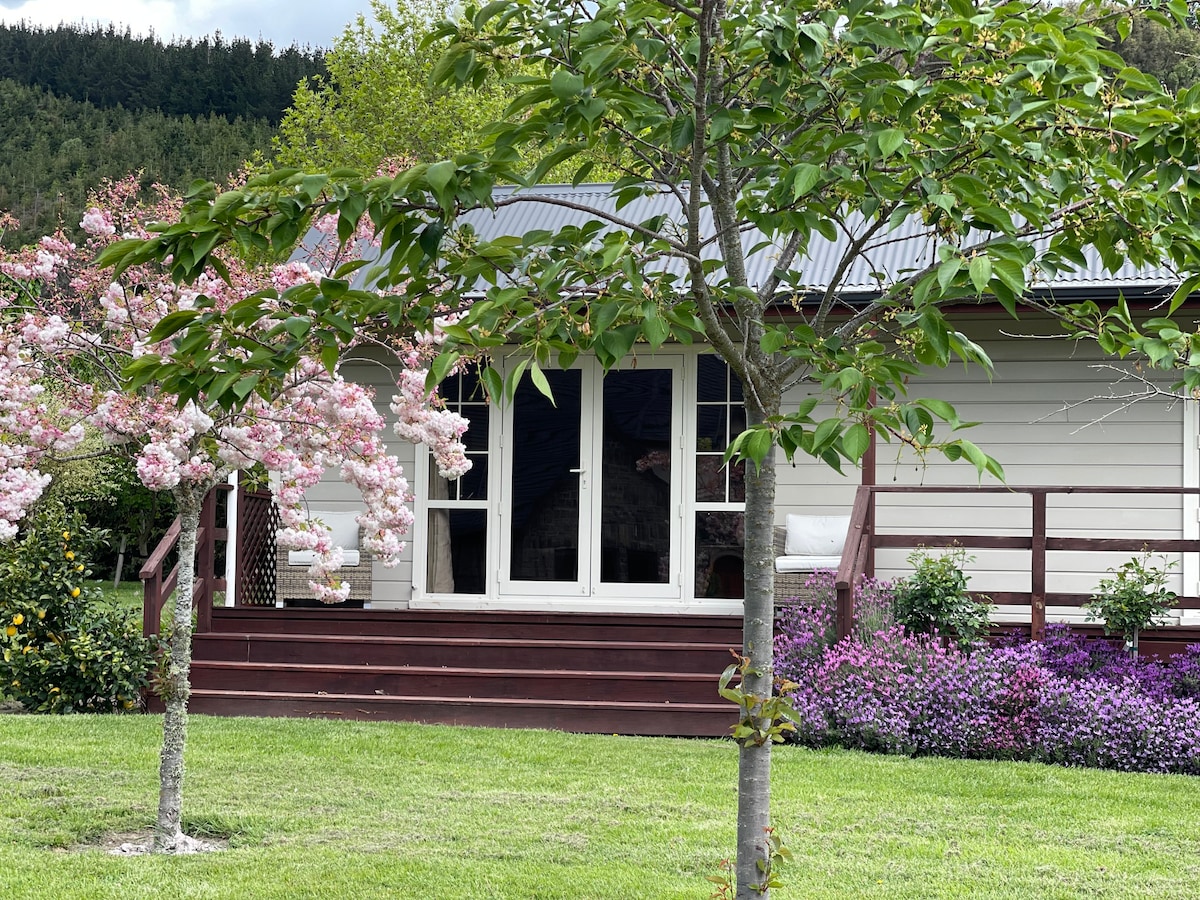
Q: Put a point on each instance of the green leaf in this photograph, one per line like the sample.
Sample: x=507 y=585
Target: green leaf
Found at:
x=981 y=272
x=541 y=382
x=655 y=330
x=171 y=323
x=683 y=131
x=890 y=140
x=805 y=177
x=493 y=384
x=566 y=85
x=947 y=271
x=513 y=379
x=440 y=174
x=855 y=441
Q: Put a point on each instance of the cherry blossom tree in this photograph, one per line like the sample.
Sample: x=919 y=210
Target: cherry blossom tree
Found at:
x=64 y=322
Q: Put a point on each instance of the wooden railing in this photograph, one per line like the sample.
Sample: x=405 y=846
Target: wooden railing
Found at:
x=158 y=584
x=863 y=539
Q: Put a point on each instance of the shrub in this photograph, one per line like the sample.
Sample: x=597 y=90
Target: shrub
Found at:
x=934 y=599
x=64 y=649
x=1133 y=599
x=1066 y=700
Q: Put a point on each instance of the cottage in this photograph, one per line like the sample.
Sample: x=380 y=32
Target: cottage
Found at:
x=609 y=512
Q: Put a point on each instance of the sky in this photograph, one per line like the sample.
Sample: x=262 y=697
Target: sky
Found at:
x=282 y=22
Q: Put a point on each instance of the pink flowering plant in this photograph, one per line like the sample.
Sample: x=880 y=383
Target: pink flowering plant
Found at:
x=102 y=337
x=65 y=321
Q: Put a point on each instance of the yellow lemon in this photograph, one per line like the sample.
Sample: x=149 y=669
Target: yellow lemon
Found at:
x=18 y=619
x=74 y=592
x=66 y=535
x=79 y=568
x=41 y=614
x=10 y=630
x=70 y=554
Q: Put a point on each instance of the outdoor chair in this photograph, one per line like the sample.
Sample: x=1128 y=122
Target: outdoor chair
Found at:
x=291 y=571
x=803 y=545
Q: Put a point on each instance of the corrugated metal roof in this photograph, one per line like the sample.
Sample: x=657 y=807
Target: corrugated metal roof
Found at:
x=890 y=255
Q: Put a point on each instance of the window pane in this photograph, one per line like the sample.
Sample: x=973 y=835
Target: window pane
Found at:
x=710 y=479
x=712 y=384
x=711 y=427
x=720 y=539
x=473 y=484
x=457 y=551
x=737 y=482
x=476 y=437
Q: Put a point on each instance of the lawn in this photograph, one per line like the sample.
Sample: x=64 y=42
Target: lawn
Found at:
x=127 y=594
x=320 y=809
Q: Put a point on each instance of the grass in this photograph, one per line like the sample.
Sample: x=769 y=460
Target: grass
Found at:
x=127 y=594
x=319 y=809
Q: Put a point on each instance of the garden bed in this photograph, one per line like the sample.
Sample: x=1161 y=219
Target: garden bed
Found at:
x=1069 y=699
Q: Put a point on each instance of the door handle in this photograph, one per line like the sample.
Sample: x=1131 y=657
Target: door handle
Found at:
x=577 y=471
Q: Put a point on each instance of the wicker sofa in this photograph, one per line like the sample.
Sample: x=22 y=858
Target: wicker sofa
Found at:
x=803 y=545
x=291 y=568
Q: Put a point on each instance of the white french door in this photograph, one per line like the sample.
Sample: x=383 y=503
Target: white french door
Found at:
x=591 y=485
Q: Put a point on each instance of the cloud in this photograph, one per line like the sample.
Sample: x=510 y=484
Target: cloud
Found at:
x=282 y=22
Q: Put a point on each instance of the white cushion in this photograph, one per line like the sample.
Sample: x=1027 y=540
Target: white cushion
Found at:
x=305 y=557
x=806 y=563
x=343 y=531
x=343 y=528
x=822 y=536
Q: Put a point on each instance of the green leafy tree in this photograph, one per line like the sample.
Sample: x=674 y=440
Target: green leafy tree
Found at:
x=378 y=102
x=1006 y=136
x=1168 y=51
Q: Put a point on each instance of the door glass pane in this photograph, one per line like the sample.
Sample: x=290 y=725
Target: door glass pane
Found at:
x=635 y=509
x=545 y=492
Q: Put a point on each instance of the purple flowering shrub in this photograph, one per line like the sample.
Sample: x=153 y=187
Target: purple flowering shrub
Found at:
x=1068 y=699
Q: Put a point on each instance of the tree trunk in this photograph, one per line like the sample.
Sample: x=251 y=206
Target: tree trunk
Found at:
x=176 y=687
x=754 y=760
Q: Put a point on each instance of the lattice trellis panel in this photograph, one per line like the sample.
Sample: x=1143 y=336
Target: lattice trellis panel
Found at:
x=258 y=520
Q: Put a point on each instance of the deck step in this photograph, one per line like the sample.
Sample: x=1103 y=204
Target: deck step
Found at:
x=586 y=716
x=588 y=672
x=489 y=653
x=492 y=624
x=448 y=681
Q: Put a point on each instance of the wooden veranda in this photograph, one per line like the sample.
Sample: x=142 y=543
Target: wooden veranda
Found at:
x=866 y=537
x=635 y=674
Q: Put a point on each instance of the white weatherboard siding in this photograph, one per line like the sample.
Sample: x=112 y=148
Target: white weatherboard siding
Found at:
x=1030 y=423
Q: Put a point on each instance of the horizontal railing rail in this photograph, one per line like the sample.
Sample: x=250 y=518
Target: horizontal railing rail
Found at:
x=863 y=539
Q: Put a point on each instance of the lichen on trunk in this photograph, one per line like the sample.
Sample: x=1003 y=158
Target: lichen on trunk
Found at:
x=175 y=683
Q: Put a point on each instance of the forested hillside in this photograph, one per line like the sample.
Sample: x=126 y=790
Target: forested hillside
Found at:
x=54 y=150
x=110 y=68
x=80 y=106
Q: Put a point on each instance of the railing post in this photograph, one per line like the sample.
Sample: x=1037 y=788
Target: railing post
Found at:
x=845 y=611
x=206 y=562
x=869 y=563
x=152 y=602
x=1037 y=598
